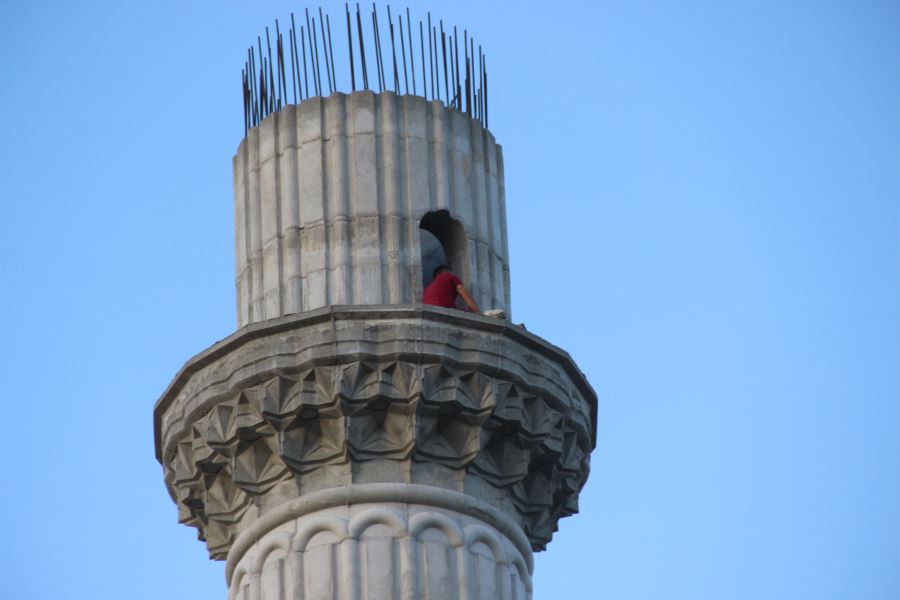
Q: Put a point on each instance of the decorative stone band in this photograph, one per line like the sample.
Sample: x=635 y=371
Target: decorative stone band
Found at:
x=350 y=395
x=390 y=540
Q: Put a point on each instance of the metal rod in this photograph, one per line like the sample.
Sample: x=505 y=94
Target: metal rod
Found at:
x=452 y=71
x=263 y=90
x=284 y=100
x=265 y=87
x=485 y=92
x=271 y=81
x=476 y=80
x=262 y=71
x=320 y=89
x=279 y=71
x=312 y=55
x=474 y=85
x=437 y=69
x=350 y=47
x=444 y=54
x=250 y=87
x=295 y=65
x=456 y=60
x=244 y=95
x=403 y=52
x=277 y=68
x=459 y=75
x=382 y=83
x=270 y=92
x=279 y=52
x=256 y=91
x=284 y=80
x=325 y=52
x=362 y=49
x=293 y=70
x=393 y=51
x=468 y=75
x=250 y=84
x=251 y=76
x=422 y=48
x=430 y=56
x=412 y=58
x=266 y=71
x=480 y=85
x=375 y=44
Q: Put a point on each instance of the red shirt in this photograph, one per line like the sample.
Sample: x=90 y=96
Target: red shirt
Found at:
x=442 y=291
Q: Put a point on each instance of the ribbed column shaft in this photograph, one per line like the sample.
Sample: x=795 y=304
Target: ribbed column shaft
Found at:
x=386 y=550
x=329 y=195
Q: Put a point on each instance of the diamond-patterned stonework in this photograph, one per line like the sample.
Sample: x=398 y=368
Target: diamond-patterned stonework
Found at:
x=348 y=395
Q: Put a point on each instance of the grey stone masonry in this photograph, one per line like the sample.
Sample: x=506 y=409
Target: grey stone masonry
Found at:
x=347 y=396
x=329 y=195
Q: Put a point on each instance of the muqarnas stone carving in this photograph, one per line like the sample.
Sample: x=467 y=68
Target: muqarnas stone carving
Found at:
x=347 y=398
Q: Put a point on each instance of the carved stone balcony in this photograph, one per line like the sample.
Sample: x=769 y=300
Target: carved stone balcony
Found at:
x=462 y=413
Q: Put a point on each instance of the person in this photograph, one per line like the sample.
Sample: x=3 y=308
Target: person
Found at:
x=444 y=289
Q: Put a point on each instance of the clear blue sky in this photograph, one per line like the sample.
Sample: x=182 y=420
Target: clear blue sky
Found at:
x=704 y=210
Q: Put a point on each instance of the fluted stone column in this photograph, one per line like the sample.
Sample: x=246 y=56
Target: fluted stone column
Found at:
x=329 y=195
x=347 y=442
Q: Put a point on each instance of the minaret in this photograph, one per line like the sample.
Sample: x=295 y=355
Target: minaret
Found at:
x=348 y=441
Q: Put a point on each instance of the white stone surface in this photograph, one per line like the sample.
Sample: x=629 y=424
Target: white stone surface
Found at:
x=329 y=195
x=381 y=551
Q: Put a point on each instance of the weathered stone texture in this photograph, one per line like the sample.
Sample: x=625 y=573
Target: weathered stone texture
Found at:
x=328 y=196
x=367 y=544
x=357 y=395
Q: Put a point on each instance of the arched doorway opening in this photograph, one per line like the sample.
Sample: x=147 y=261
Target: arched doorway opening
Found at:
x=442 y=241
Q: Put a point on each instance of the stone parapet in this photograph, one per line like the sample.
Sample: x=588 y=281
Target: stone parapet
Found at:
x=343 y=397
x=329 y=196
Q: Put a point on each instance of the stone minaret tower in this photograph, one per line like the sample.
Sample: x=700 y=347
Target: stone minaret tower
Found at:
x=347 y=441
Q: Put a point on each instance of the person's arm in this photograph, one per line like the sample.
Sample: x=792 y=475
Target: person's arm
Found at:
x=470 y=302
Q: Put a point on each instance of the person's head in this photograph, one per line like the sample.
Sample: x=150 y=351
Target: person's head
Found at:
x=440 y=269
